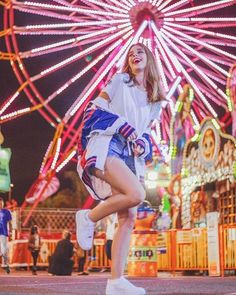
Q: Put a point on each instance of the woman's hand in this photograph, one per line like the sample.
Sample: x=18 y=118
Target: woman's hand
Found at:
x=137 y=149
x=132 y=136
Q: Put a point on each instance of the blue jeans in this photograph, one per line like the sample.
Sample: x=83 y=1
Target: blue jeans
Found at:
x=119 y=148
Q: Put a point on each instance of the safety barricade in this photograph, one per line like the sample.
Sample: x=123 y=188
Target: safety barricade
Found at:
x=182 y=250
x=177 y=250
x=20 y=256
x=228 y=247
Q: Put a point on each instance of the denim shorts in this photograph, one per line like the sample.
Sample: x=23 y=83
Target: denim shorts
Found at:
x=118 y=148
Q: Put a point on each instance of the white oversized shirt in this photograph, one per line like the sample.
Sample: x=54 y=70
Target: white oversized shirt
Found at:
x=131 y=103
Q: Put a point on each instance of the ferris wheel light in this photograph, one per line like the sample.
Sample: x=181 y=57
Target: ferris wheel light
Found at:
x=179 y=3
x=212 y=97
x=53 y=45
x=166 y=60
x=201 y=43
x=173 y=58
x=195 y=120
x=206 y=78
x=193 y=29
x=84 y=52
x=14 y=114
x=190 y=80
x=157 y=2
x=123 y=25
x=213 y=85
x=9 y=102
x=77 y=105
x=124 y=4
x=163 y=5
x=58 y=147
x=131 y=1
x=162 y=73
x=75 y=24
x=72 y=40
x=63 y=164
x=61 y=89
x=149 y=44
x=45 y=157
x=113 y=7
x=199 y=19
x=74 y=9
x=199 y=8
x=173 y=88
x=207 y=60
x=85 y=70
x=217 y=42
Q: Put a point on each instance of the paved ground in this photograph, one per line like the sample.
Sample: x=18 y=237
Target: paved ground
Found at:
x=23 y=282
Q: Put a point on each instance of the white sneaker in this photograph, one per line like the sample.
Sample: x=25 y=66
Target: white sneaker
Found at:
x=122 y=286
x=84 y=229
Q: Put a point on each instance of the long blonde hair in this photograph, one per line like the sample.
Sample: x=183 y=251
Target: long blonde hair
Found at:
x=154 y=86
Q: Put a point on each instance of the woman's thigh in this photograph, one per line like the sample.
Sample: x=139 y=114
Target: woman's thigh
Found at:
x=119 y=176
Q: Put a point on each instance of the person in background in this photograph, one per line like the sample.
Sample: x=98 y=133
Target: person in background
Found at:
x=113 y=147
x=61 y=262
x=34 y=244
x=83 y=260
x=111 y=226
x=5 y=222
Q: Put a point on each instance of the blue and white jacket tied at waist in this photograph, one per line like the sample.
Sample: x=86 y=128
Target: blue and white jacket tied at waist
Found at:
x=98 y=126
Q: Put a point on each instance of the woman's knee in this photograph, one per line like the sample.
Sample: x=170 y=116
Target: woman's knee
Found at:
x=137 y=195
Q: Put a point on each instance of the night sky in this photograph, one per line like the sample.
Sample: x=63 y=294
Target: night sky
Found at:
x=29 y=136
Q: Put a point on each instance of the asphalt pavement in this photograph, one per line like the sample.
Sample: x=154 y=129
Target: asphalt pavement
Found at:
x=22 y=282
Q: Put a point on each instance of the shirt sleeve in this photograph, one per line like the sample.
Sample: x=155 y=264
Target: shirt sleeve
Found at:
x=113 y=86
x=157 y=109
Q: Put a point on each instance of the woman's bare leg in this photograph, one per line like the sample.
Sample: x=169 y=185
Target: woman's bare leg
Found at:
x=121 y=241
x=122 y=179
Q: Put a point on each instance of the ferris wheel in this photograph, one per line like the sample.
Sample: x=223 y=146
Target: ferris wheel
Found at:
x=62 y=52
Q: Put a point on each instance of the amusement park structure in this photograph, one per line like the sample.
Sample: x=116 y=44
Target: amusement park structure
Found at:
x=81 y=44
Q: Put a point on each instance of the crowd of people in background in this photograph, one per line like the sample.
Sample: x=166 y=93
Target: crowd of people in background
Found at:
x=61 y=261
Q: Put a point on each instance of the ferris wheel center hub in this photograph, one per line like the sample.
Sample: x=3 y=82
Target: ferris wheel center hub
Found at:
x=144 y=11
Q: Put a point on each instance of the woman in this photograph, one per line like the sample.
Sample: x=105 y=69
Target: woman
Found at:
x=34 y=245
x=113 y=148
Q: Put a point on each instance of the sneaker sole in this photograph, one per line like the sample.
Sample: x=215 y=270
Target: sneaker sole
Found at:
x=77 y=218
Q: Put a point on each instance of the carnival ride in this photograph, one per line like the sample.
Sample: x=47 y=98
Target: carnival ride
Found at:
x=76 y=46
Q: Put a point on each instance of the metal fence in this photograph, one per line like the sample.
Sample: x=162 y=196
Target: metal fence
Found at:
x=48 y=220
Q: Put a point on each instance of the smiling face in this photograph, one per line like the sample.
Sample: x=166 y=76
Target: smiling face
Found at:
x=137 y=59
x=208 y=144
